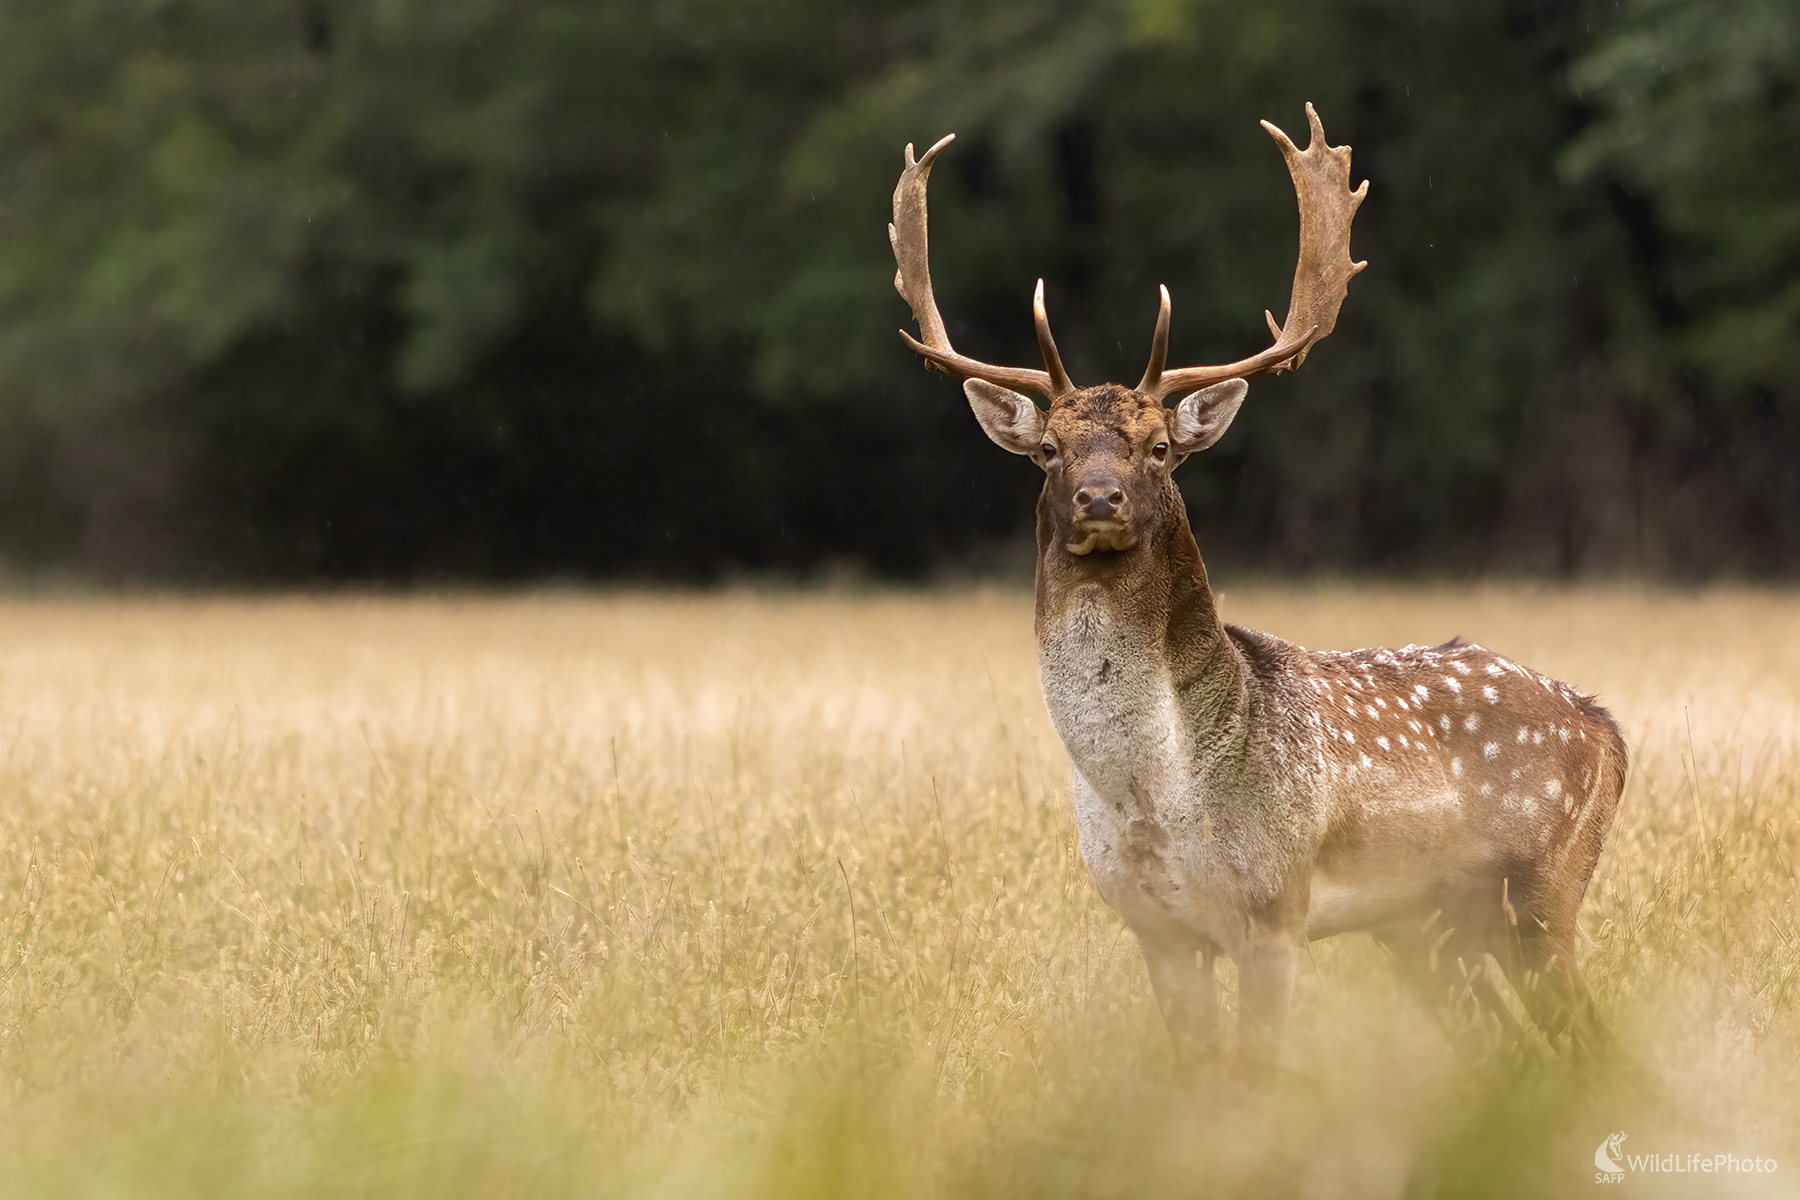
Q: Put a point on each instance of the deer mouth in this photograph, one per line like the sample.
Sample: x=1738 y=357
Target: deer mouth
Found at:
x=1101 y=535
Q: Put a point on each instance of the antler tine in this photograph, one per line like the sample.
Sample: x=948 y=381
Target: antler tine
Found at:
x=907 y=235
x=1059 y=378
x=1159 y=346
x=1321 y=276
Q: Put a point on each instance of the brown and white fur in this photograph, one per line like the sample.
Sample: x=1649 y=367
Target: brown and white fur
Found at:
x=1238 y=795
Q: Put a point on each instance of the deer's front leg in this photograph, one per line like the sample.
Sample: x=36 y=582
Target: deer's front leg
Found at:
x=1182 y=978
x=1265 y=987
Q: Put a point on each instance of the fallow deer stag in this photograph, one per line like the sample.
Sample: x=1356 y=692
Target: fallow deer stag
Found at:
x=1237 y=794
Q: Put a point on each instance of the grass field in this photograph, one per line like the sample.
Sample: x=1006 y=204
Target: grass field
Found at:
x=779 y=896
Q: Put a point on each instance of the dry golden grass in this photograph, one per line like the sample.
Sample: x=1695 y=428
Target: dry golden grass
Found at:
x=766 y=895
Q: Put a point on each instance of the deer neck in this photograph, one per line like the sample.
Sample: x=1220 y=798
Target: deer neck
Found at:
x=1131 y=649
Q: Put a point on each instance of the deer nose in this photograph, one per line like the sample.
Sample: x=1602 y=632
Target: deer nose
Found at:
x=1099 y=500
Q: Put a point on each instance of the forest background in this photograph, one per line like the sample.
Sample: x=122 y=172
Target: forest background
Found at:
x=399 y=291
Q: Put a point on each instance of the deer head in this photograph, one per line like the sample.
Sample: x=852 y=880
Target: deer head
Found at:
x=1108 y=452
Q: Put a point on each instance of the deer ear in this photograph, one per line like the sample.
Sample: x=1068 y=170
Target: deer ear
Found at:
x=1202 y=417
x=1011 y=420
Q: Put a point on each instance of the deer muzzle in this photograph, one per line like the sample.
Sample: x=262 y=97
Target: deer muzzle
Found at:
x=1102 y=517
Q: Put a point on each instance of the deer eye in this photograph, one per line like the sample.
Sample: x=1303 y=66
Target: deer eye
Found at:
x=1161 y=449
x=1048 y=450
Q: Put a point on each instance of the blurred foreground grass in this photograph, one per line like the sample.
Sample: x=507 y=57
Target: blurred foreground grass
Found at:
x=779 y=896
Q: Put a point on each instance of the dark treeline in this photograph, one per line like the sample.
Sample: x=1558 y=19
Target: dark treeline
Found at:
x=338 y=290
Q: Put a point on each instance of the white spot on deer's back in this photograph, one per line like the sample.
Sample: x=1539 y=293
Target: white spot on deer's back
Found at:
x=1444 y=724
x=1537 y=737
x=1455 y=687
x=1366 y=762
x=1456 y=767
x=1383 y=743
x=1350 y=737
x=1461 y=668
x=1524 y=732
x=1491 y=751
x=1472 y=722
x=1492 y=696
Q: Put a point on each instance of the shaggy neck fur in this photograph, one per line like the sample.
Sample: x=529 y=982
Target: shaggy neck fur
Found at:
x=1151 y=605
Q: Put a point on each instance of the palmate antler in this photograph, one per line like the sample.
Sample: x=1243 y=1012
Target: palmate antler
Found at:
x=1321 y=278
x=912 y=255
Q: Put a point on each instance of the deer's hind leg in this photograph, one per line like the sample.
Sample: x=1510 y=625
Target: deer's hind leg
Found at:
x=1447 y=970
x=1539 y=960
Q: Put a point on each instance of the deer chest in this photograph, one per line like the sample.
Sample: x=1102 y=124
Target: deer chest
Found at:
x=1166 y=844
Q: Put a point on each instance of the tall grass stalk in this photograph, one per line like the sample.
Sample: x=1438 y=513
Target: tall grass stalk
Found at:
x=779 y=895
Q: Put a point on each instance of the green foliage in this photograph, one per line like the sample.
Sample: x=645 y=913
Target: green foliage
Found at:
x=1700 y=110
x=350 y=284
